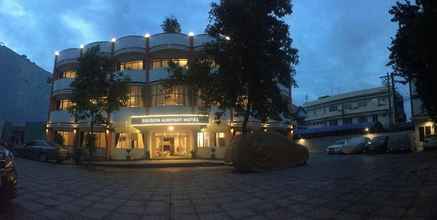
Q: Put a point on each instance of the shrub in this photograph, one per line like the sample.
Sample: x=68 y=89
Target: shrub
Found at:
x=265 y=151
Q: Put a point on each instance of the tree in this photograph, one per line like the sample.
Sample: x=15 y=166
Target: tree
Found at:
x=98 y=90
x=412 y=51
x=252 y=55
x=171 y=25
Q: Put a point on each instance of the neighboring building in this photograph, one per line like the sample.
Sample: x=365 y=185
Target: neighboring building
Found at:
x=21 y=133
x=23 y=87
x=156 y=123
x=350 y=109
x=423 y=124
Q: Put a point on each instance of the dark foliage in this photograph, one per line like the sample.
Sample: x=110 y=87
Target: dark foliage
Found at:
x=413 y=50
x=171 y=25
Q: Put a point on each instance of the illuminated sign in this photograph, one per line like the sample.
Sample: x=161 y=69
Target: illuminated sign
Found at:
x=157 y=120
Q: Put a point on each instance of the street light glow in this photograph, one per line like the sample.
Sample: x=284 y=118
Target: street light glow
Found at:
x=113 y=39
x=191 y=34
x=147 y=35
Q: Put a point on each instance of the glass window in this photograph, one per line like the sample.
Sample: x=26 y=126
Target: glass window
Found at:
x=362 y=104
x=132 y=65
x=70 y=74
x=64 y=104
x=220 y=139
x=333 y=123
x=164 y=63
x=127 y=141
x=374 y=118
x=135 y=97
x=362 y=119
x=347 y=106
x=168 y=96
x=347 y=121
x=382 y=101
x=203 y=139
x=332 y=108
x=68 y=137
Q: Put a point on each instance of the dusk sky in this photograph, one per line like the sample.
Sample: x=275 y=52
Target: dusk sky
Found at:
x=342 y=43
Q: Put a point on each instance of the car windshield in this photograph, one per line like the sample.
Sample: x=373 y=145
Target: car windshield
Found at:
x=340 y=142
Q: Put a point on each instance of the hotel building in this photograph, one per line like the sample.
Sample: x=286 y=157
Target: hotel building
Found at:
x=156 y=123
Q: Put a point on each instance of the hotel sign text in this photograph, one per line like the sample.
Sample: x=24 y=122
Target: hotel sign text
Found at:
x=169 y=120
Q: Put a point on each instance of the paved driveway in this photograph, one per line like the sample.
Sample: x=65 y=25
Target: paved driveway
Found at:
x=400 y=186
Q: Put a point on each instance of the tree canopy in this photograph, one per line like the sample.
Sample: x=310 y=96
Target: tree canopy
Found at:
x=249 y=61
x=413 y=50
x=171 y=25
x=98 y=90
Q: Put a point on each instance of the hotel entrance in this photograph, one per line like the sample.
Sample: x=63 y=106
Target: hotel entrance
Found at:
x=171 y=145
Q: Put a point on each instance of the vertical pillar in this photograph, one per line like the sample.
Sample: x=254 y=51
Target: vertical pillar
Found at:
x=51 y=81
x=146 y=66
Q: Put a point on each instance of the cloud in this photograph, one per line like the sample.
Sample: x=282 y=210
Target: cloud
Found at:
x=80 y=29
x=12 y=8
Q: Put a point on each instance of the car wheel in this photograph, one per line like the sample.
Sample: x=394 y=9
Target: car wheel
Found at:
x=43 y=158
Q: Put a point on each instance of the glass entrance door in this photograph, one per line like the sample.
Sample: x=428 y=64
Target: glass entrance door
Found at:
x=171 y=145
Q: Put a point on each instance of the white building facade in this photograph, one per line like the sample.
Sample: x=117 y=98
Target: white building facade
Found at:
x=156 y=123
x=358 y=107
x=423 y=124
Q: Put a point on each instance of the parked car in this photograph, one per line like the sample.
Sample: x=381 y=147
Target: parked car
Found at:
x=377 y=145
x=355 y=145
x=336 y=147
x=8 y=175
x=430 y=142
x=399 y=143
x=43 y=151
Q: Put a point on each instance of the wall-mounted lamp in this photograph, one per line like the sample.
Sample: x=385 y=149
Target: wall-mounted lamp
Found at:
x=74 y=131
x=191 y=34
x=113 y=40
x=107 y=131
x=147 y=35
x=56 y=53
x=81 y=46
x=170 y=128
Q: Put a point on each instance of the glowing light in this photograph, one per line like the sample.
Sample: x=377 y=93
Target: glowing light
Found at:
x=47 y=130
x=227 y=38
x=169 y=124
x=107 y=131
x=56 y=53
x=74 y=131
x=113 y=40
x=232 y=130
x=147 y=35
x=301 y=141
x=170 y=128
x=170 y=115
x=81 y=46
x=366 y=129
x=191 y=34
x=265 y=129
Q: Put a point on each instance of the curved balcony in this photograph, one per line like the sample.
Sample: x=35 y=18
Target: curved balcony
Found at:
x=201 y=39
x=135 y=76
x=168 y=41
x=129 y=44
x=105 y=46
x=70 y=55
x=62 y=86
x=158 y=74
x=60 y=117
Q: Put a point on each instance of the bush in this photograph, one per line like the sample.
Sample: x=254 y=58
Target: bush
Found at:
x=265 y=151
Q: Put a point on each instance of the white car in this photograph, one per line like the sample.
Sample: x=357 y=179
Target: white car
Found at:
x=336 y=147
x=355 y=145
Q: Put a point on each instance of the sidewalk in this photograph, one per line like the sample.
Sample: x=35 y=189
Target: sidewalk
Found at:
x=159 y=163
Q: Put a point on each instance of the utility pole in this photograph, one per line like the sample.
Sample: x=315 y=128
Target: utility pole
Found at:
x=387 y=81
x=393 y=93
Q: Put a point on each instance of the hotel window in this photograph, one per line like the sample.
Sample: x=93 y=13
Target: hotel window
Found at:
x=135 y=97
x=374 y=118
x=64 y=104
x=333 y=122
x=126 y=141
x=70 y=74
x=132 y=65
x=68 y=137
x=220 y=139
x=100 y=140
x=168 y=96
x=347 y=106
x=164 y=63
x=203 y=139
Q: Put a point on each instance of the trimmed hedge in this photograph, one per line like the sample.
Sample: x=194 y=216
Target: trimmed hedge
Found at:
x=265 y=151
